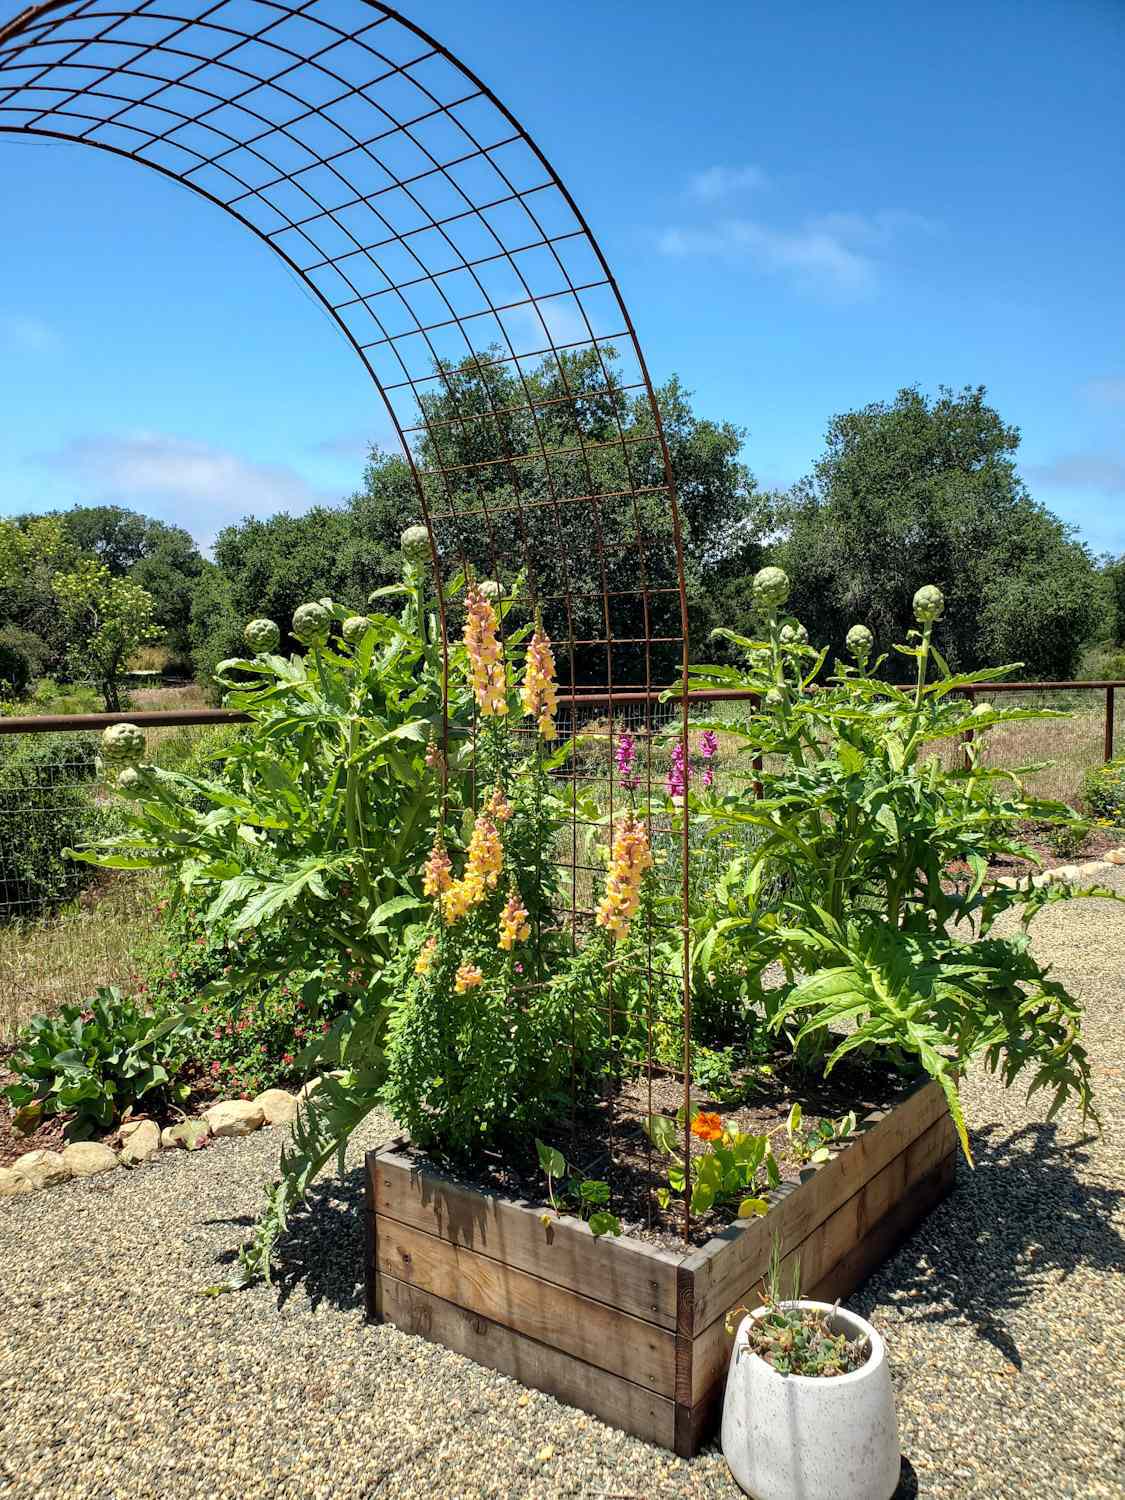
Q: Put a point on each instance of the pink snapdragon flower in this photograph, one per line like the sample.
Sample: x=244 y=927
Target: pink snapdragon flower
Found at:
x=675 y=783
x=708 y=748
x=625 y=756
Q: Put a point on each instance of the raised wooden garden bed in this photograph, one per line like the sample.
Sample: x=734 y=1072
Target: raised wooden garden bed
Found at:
x=618 y=1327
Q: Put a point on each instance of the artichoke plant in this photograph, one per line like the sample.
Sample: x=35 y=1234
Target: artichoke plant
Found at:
x=123 y=744
x=770 y=589
x=311 y=624
x=354 y=628
x=415 y=543
x=262 y=635
x=859 y=642
x=929 y=604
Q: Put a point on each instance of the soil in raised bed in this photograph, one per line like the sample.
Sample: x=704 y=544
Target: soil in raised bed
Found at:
x=608 y=1142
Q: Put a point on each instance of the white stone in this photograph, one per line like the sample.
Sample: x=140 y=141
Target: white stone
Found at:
x=278 y=1105
x=11 y=1183
x=1064 y=872
x=235 y=1117
x=1095 y=867
x=42 y=1168
x=142 y=1141
x=88 y=1158
x=1115 y=856
x=832 y=1437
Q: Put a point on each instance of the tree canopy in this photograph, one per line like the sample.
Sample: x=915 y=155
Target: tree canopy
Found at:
x=924 y=490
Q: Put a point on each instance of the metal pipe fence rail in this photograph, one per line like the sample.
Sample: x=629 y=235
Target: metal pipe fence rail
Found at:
x=66 y=928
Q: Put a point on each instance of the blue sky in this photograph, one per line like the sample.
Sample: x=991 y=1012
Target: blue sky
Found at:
x=806 y=207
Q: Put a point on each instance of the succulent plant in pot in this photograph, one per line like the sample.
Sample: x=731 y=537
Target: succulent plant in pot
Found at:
x=809 y=1408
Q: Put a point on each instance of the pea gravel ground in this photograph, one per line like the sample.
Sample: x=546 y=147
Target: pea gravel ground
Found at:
x=1004 y=1315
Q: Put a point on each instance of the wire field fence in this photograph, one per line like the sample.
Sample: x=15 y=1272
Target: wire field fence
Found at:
x=66 y=928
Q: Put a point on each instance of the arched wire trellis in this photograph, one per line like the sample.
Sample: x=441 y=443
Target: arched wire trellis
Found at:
x=433 y=230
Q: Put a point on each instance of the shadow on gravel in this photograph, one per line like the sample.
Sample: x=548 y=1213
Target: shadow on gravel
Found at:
x=322 y=1247
x=1024 y=1215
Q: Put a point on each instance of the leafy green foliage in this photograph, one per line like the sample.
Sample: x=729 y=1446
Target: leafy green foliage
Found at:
x=107 y=619
x=887 y=848
x=245 y=1041
x=735 y=1167
x=94 y=1061
x=305 y=846
x=570 y=1192
x=1103 y=791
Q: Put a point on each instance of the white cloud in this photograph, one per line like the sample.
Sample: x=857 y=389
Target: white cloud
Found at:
x=836 y=254
x=21 y=334
x=816 y=259
x=1108 y=390
x=720 y=182
x=193 y=484
x=1079 y=471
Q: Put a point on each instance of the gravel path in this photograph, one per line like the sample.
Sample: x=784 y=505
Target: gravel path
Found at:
x=1003 y=1315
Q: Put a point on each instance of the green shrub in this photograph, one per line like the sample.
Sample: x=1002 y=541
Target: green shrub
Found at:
x=48 y=801
x=22 y=657
x=93 y=1061
x=244 y=1042
x=1103 y=791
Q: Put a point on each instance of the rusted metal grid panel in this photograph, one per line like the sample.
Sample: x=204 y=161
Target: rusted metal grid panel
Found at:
x=437 y=236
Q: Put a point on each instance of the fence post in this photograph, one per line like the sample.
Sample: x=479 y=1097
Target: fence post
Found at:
x=1109 y=723
x=967 y=736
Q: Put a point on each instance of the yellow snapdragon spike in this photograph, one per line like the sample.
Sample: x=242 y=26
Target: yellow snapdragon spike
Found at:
x=425 y=960
x=514 y=925
x=468 y=977
x=437 y=872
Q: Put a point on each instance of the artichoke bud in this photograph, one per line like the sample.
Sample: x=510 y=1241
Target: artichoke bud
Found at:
x=770 y=589
x=130 y=780
x=123 y=744
x=262 y=635
x=794 y=634
x=859 y=642
x=355 y=627
x=980 y=709
x=491 y=590
x=311 y=623
x=775 y=698
x=415 y=543
x=929 y=604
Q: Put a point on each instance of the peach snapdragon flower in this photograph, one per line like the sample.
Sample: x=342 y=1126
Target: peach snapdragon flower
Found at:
x=482 y=870
x=538 y=694
x=436 y=873
x=468 y=977
x=514 y=924
x=425 y=960
x=485 y=655
x=631 y=857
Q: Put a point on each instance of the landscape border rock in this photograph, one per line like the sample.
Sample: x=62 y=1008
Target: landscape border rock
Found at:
x=141 y=1140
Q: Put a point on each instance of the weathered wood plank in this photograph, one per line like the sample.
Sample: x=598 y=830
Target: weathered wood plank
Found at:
x=626 y=1273
x=590 y=1330
x=734 y=1260
x=610 y=1397
x=831 y=1242
x=888 y=1234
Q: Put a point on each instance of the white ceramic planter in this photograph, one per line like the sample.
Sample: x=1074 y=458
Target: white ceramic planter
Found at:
x=807 y=1437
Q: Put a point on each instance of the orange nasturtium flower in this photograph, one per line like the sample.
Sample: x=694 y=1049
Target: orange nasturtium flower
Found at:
x=468 y=977
x=707 y=1126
